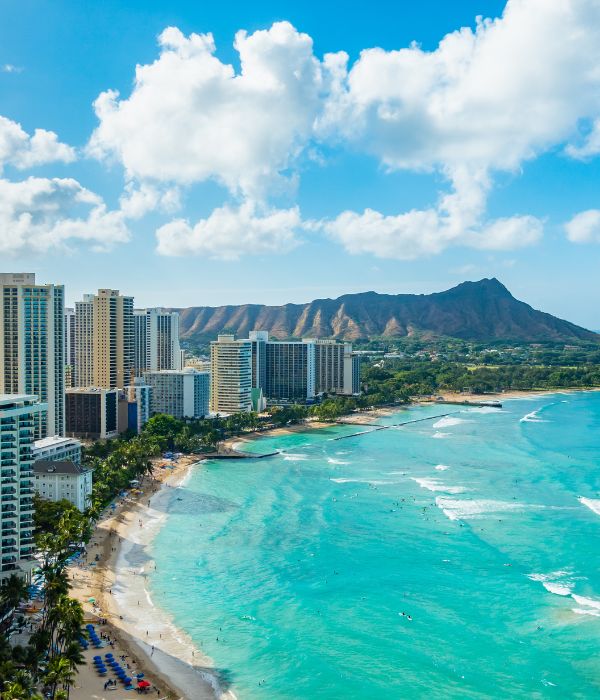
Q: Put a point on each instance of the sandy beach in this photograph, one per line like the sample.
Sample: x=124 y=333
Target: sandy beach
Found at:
x=117 y=582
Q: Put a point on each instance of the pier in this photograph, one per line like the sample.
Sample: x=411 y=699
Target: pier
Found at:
x=394 y=425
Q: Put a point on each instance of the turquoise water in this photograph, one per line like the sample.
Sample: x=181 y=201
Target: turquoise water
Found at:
x=302 y=564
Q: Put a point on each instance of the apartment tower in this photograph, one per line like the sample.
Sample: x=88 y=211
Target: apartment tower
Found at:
x=32 y=346
x=230 y=375
x=156 y=340
x=104 y=340
x=19 y=414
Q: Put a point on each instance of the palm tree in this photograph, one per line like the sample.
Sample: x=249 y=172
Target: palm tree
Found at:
x=13 y=591
x=59 y=672
x=20 y=687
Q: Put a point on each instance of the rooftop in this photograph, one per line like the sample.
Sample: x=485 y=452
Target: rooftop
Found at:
x=16 y=398
x=52 y=441
x=45 y=466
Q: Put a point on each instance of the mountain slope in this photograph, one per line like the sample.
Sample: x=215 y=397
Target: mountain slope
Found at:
x=483 y=310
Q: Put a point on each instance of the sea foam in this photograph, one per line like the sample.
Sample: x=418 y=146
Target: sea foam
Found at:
x=448 y=421
x=591 y=503
x=466 y=509
x=442 y=467
x=533 y=417
x=433 y=484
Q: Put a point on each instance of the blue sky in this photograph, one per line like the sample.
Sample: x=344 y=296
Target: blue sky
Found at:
x=408 y=167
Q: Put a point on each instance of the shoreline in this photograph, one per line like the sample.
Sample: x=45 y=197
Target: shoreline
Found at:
x=175 y=665
x=118 y=581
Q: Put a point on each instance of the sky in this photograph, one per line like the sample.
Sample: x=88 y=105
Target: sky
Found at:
x=193 y=154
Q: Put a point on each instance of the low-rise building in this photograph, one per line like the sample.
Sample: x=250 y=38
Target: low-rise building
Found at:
x=180 y=393
x=92 y=412
x=58 y=480
x=57 y=448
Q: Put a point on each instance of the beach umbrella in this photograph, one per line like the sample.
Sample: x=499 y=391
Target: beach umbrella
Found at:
x=91 y=600
x=143 y=684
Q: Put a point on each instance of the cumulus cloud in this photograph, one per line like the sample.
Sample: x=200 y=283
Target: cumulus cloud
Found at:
x=584 y=227
x=41 y=214
x=191 y=117
x=484 y=101
x=231 y=232
x=491 y=97
x=19 y=149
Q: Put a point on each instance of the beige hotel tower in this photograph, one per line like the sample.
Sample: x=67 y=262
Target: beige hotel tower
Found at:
x=104 y=340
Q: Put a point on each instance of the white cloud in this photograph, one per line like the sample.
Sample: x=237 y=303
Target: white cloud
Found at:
x=22 y=151
x=135 y=201
x=40 y=214
x=232 y=232
x=488 y=98
x=584 y=227
x=191 y=117
x=590 y=145
x=484 y=101
x=10 y=68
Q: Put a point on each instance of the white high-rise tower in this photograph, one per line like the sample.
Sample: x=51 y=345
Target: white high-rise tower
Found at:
x=32 y=346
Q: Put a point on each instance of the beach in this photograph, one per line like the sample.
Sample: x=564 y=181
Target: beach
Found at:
x=117 y=583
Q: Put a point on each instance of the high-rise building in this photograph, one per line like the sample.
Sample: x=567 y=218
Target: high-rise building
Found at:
x=289 y=371
x=19 y=413
x=329 y=365
x=230 y=375
x=139 y=397
x=181 y=393
x=259 y=340
x=351 y=371
x=32 y=346
x=69 y=336
x=83 y=369
x=104 y=340
x=156 y=340
x=92 y=412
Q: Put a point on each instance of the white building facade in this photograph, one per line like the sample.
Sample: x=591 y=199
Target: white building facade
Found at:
x=19 y=414
x=32 y=346
x=180 y=393
x=230 y=375
x=156 y=340
x=63 y=480
x=57 y=448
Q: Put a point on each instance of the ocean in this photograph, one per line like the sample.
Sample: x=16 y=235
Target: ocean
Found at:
x=457 y=557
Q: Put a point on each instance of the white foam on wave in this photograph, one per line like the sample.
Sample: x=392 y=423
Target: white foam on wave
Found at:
x=433 y=484
x=556 y=588
x=588 y=602
x=533 y=417
x=291 y=457
x=440 y=436
x=483 y=409
x=333 y=460
x=466 y=509
x=584 y=611
x=372 y=482
x=591 y=503
x=557 y=582
x=442 y=467
x=448 y=421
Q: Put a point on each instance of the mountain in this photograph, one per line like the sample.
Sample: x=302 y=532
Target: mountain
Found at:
x=483 y=310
